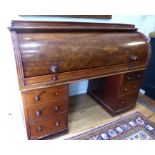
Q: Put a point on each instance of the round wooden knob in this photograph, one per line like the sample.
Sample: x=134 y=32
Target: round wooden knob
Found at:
x=38 y=113
x=57 y=123
x=40 y=128
x=54 y=68
x=133 y=58
x=56 y=108
x=125 y=89
x=37 y=98
x=135 y=87
x=54 y=77
x=139 y=76
x=123 y=102
x=129 y=77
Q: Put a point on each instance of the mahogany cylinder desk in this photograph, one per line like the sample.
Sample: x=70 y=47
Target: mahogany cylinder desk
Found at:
x=50 y=55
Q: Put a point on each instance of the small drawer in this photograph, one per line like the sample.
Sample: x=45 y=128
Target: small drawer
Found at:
x=132 y=98
x=139 y=75
x=42 y=111
x=44 y=95
x=121 y=103
x=47 y=126
x=129 y=88
x=126 y=101
x=129 y=77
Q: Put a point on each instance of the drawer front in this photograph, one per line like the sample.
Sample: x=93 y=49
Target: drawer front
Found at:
x=128 y=88
x=42 y=111
x=129 y=77
x=48 y=126
x=122 y=103
x=45 y=95
x=126 y=101
x=48 y=53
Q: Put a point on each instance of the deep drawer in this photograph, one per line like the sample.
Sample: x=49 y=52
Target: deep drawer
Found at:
x=45 y=127
x=42 y=111
x=126 y=101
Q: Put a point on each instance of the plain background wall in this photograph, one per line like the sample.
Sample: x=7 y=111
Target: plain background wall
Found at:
x=11 y=113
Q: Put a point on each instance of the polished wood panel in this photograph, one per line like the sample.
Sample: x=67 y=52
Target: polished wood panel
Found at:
x=41 y=52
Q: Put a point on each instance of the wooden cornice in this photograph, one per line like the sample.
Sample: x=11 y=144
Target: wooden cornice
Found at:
x=46 y=26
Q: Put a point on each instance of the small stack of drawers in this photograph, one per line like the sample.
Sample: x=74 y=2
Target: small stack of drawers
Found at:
x=117 y=93
x=129 y=90
x=46 y=110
